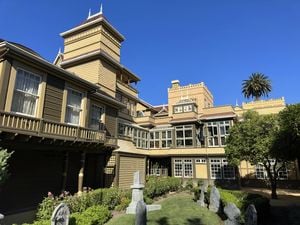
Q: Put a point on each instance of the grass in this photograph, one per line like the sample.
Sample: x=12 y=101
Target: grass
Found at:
x=178 y=209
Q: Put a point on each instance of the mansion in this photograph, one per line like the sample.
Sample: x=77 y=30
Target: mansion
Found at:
x=79 y=122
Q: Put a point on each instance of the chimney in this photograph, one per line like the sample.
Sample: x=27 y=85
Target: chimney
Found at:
x=175 y=84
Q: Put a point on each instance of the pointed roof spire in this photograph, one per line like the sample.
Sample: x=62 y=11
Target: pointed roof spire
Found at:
x=101 y=9
x=90 y=13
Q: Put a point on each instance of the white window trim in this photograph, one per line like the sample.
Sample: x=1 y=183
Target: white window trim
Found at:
x=80 y=111
x=37 y=96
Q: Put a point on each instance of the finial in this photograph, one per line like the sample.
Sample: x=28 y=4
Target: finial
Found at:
x=236 y=103
x=101 y=9
x=90 y=13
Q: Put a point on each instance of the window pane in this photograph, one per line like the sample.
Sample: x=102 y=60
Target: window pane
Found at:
x=188 y=133
x=179 y=134
x=26 y=91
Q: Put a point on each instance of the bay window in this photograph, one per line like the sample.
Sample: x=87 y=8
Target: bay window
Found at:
x=73 y=109
x=217 y=132
x=25 y=98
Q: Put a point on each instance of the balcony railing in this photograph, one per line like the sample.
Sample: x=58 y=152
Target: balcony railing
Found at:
x=12 y=122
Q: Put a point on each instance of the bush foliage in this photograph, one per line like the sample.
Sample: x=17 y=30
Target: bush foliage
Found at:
x=94 y=215
x=158 y=186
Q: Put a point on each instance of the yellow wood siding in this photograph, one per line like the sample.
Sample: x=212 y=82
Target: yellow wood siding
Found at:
x=129 y=165
x=88 y=71
x=107 y=77
x=111 y=121
x=53 y=98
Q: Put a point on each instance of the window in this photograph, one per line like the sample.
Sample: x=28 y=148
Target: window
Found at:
x=224 y=131
x=216 y=168
x=121 y=129
x=184 y=136
x=166 y=137
x=228 y=171
x=217 y=133
x=178 y=109
x=187 y=108
x=154 y=139
x=183 y=168
x=140 y=138
x=261 y=172
x=213 y=139
x=220 y=169
x=178 y=168
x=96 y=116
x=200 y=161
x=26 y=93
x=73 y=107
x=161 y=138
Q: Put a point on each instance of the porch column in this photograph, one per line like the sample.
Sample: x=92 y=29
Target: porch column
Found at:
x=81 y=173
x=65 y=171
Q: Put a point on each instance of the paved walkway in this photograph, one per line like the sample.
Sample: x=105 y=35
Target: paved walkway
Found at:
x=286 y=209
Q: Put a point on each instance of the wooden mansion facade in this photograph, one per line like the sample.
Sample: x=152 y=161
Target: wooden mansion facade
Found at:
x=78 y=122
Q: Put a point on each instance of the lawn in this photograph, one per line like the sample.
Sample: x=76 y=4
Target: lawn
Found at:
x=178 y=209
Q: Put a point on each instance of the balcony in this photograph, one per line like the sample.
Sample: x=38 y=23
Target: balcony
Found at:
x=146 y=119
x=20 y=124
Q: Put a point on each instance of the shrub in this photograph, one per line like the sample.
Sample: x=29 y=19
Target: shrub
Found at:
x=39 y=222
x=111 y=197
x=46 y=207
x=158 y=186
x=95 y=215
x=242 y=200
x=189 y=185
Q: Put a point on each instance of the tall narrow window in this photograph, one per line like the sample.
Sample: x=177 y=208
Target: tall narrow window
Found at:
x=73 y=107
x=224 y=131
x=26 y=93
x=96 y=116
x=166 y=137
x=184 y=136
x=213 y=139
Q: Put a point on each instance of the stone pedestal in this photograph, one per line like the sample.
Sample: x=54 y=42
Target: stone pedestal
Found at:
x=137 y=195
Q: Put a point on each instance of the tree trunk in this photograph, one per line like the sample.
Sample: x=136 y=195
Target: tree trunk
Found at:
x=274 y=188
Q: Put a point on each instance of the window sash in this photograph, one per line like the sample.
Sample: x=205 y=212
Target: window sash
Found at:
x=74 y=101
x=96 y=116
x=25 y=98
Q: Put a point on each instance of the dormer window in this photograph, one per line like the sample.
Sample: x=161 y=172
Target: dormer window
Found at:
x=185 y=108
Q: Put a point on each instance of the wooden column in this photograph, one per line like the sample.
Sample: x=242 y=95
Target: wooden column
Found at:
x=65 y=171
x=81 y=173
x=4 y=80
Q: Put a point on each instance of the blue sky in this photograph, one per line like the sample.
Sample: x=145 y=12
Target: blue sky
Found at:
x=215 y=41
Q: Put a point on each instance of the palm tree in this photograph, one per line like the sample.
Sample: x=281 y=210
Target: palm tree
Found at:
x=256 y=86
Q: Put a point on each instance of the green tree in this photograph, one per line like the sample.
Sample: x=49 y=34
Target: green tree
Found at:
x=256 y=86
x=253 y=140
x=289 y=136
x=4 y=156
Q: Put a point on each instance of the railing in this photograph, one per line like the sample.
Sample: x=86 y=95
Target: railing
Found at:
x=158 y=172
x=111 y=141
x=17 y=123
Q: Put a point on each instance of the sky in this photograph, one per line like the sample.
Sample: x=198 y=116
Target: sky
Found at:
x=220 y=43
